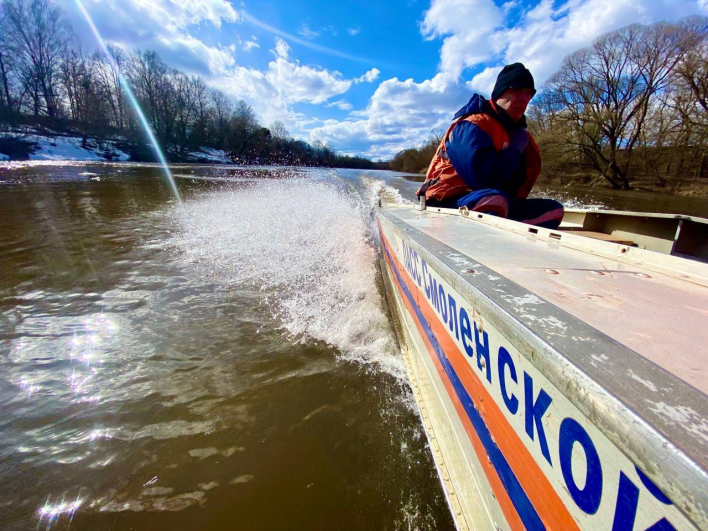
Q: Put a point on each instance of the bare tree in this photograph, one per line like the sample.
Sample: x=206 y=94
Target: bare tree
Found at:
x=244 y=127
x=278 y=130
x=39 y=36
x=75 y=77
x=148 y=77
x=107 y=74
x=6 y=64
x=606 y=92
x=222 y=110
x=689 y=95
x=202 y=111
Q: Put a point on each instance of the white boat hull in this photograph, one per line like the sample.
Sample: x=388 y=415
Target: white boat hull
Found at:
x=514 y=438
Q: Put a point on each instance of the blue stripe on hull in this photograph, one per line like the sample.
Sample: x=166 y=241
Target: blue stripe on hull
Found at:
x=522 y=504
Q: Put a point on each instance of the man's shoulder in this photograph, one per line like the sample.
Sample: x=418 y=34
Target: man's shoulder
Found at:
x=481 y=118
x=487 y=124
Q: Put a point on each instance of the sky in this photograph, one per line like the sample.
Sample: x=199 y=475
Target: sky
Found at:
x=369 y=78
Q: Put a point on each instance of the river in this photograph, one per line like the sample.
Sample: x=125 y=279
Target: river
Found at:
x=224 y=363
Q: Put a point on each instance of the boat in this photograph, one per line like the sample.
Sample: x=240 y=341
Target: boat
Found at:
x=561 y=375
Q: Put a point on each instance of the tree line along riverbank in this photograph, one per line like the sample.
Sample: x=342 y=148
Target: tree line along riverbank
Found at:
x=629 y=111
x=50 y=91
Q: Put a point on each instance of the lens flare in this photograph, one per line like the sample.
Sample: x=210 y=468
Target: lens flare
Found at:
x=54 y=512
x=133 y=101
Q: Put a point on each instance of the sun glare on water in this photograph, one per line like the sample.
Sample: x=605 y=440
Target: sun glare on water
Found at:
x=133 y=101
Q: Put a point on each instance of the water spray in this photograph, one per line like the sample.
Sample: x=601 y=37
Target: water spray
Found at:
x=133 y=100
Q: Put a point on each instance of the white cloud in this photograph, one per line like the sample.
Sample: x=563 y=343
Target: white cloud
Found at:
x=250 y=45
x=464 y=44
x=285 y=82
x=306 y=32
x=371 y=76
x=161 y=25
x=355 y=31
x=401 y=114
x=194 y=54
x=282 y=48
x=544 y=34
x=342 y=105
x=304 y=42
x=298 y=83
x=508 y=6
x=484 y=81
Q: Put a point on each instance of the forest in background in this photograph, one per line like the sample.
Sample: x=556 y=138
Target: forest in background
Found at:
x=48 y=84
x=629 y=111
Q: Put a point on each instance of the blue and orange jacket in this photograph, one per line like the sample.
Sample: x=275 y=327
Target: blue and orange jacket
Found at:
x=474 y=154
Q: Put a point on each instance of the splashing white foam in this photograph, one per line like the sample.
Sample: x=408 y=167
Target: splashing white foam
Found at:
x=378 y=189
x=304 y=244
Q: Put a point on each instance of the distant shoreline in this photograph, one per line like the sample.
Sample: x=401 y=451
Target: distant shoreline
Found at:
x=35 y=144
x=697 y=188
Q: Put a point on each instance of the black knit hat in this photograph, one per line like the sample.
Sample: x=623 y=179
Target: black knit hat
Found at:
x=513 y=76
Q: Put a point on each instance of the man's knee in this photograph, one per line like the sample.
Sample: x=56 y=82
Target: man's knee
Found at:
x=547 y=213
x=496 y=205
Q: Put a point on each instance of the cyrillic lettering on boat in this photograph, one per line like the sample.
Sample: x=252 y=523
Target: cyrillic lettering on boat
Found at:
x=534 y=412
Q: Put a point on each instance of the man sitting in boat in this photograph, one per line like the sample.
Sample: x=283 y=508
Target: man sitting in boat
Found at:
x=487 y=161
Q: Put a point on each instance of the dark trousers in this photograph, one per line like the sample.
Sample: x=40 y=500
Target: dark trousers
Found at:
x=546 y=213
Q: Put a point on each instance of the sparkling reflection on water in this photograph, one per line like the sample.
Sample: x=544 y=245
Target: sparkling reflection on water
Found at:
x=226 y=363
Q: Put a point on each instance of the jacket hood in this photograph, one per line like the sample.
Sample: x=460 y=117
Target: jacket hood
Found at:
x=477 y=104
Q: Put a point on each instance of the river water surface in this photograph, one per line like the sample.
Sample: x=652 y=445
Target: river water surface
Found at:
x=225 y=363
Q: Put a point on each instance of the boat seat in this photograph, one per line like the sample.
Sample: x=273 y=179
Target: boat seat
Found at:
x=600 y=236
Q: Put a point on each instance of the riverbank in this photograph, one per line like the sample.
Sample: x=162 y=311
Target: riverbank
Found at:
x=693 y=187
x=24 y=137
x=686 y=186
x=29 y=143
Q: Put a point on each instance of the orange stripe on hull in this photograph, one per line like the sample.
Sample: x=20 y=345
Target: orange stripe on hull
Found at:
x=550 y=507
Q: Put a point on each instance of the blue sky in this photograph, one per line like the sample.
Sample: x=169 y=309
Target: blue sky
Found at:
x=370 y=78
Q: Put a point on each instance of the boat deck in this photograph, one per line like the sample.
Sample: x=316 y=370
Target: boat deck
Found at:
x=656 y=314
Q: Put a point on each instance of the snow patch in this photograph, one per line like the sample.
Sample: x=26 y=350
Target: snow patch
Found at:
x=212 y=155
x=60 y=148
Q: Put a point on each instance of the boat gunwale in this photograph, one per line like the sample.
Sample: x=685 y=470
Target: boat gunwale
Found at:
x=676 y=266
x=633 y=214
x=663 y=447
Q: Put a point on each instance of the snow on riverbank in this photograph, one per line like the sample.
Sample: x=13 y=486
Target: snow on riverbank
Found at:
x=65 y=148
x=48 y=148
x=211 y=155
x=70 y=148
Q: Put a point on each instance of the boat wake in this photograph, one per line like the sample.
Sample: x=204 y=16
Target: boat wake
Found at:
x=306 y=245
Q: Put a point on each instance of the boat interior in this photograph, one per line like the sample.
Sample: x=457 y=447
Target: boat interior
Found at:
x=676 y=235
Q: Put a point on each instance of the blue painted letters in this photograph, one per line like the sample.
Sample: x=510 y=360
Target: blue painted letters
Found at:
x=534 y=413
x=588 y=498
x=512 y=403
